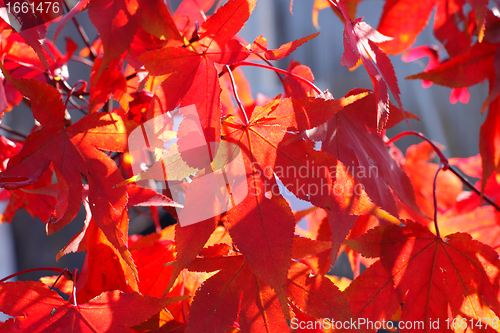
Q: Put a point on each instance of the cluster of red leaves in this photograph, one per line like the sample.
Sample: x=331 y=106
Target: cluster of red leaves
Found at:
x=252 y=268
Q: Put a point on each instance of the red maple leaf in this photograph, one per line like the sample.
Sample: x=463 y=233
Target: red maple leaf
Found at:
x=127 y=16
x=38 y=309
x=73 y=152
x=234 y=290
x=350 y=136
x=464 y=70
x=360 y=43
x=434 y=278
x=457 y=94
x=193 y=76
x=405 y=19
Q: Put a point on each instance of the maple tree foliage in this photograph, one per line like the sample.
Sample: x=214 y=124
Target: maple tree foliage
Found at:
x=250 y=263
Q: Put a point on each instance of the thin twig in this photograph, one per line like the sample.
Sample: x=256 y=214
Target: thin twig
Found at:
x=72 y=90
x=131 y=76
x=435 y=200
x=80 y=108
x=73 y=293
x=300 y=78
x=471 y=186
x=82 y=60
x=235 y=91
x=445 y=164
x=54 y=269
x=83 y=34
x=271 y=65
x=334 y=7
x=443 y=158
x=67 y=88
x=12 y=131
x=109 y=104
x=58 y=278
